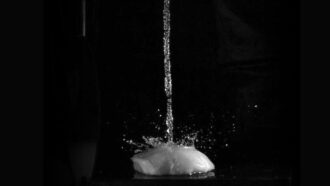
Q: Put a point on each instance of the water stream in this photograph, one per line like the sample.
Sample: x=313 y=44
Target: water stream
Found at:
x=167 y=68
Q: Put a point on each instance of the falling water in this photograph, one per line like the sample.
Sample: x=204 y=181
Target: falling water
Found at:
x=167 y=64
x=188 y=135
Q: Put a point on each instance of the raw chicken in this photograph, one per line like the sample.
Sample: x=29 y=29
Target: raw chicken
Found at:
x=171 y=159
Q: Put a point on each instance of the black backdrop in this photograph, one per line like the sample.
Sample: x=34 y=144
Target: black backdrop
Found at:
x=125 y=46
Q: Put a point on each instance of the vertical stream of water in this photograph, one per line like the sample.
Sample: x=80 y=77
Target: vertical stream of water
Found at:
x=167 y=67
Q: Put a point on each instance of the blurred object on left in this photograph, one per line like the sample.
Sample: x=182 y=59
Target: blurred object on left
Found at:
x=72 y=99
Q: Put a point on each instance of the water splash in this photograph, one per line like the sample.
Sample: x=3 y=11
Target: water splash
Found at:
x=212 y=134
x=158 y=148
x=167 y=64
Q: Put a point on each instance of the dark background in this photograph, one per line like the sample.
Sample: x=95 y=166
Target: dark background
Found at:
x=124 y=47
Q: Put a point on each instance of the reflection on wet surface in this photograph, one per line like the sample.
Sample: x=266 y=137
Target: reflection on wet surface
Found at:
x=208 y=175
x=208 y=180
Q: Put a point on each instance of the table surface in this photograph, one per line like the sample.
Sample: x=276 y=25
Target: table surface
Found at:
x=239 y=176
